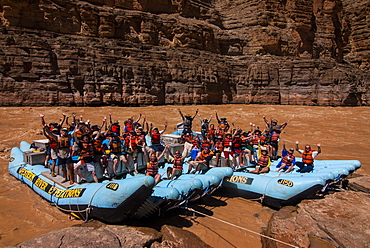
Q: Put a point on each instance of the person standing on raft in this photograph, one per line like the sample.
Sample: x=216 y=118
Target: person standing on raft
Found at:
x=308 y=156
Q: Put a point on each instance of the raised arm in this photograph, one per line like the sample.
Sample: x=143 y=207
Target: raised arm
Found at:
x=110 y=118
x=218 y=119
x=264 y=118
x=318 y=148
x=296 y=147
x=182 y=116
x=165 y=127
x=201 y=120
x=64 y=119
x=138 y=119
x=163 y=152
x=43 y=123
x=196 y=112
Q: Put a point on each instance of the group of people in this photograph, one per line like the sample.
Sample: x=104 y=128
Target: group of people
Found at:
x=112 y=142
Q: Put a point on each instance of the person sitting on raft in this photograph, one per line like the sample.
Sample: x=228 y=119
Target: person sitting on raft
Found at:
x=86 y=158
x=308 y=156
x=178 y=162
x=263 y=163
x=152 y=165
x=201 y=163
x=288 y=161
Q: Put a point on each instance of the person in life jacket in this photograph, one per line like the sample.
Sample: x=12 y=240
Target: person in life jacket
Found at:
x=63 y=152
x=152 y=165
x=86 y=158
x=222 y=123
x=51 y=145
x=308 y=156
x=263 y=163
x=228 y=144
x=187 y=122
x=211 y=133
x=204 y=126
x=115 y=150
x=130 y=124
x=131 y=149
x=178 y=162
x=287 y=162
x=201 y=163
x=156 y=136
x=274 y=131
x=218 y=148
x=247 y=147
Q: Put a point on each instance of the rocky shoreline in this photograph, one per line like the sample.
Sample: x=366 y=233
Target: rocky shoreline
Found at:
x=331 y=221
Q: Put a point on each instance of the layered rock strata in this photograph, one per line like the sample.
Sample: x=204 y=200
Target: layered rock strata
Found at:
x=137 y=52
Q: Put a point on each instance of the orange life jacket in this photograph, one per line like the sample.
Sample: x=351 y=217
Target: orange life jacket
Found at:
x=263 y=161
x=131 y=142
x=219 y=145
x=227 y=142
x=203 y=156
x=288 y=159
x=178 y=163
x=99 y=148
x=87 y=150
x=307 y=157
x=152 y=168
x=256 y=140
x=115 y=146
x=63 y=142
x=274 y=136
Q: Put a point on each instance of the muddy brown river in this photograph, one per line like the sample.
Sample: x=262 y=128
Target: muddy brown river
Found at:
x=342 y=131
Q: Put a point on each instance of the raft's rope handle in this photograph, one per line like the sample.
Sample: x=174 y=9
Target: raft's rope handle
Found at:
x=245 y=229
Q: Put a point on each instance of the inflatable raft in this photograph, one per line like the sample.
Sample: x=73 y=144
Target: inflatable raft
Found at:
x=109 y=201
x=277 y=189
x=169 y=194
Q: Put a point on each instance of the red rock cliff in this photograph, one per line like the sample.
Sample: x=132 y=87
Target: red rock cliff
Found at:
x=134 y=52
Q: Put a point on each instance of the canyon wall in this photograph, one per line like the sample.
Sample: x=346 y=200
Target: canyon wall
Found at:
x=144 y=52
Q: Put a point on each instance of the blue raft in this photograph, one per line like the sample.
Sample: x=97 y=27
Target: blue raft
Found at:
x=109 y=201
x=277 y=189
x=169 y=194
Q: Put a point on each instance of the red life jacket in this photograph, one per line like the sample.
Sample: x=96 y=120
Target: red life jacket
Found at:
x=152 y=168
x=274 y=136
x=288 y=159
x=128 y=127
x=156 y=138
x=116 y=128
x=211 y=131
x=131 y=142
x=244 y=141
x=219 y=133
x=307 y=157
x=219 y=145
x=141 y=140
x=53 y=143
x=237 y=143
x=256 y=140
x=227 y=142
x=195 y=143
x=205 y=143
x=178 y=163
x=263 y=161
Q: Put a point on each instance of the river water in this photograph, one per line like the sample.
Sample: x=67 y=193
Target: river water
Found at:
x=342 y=131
